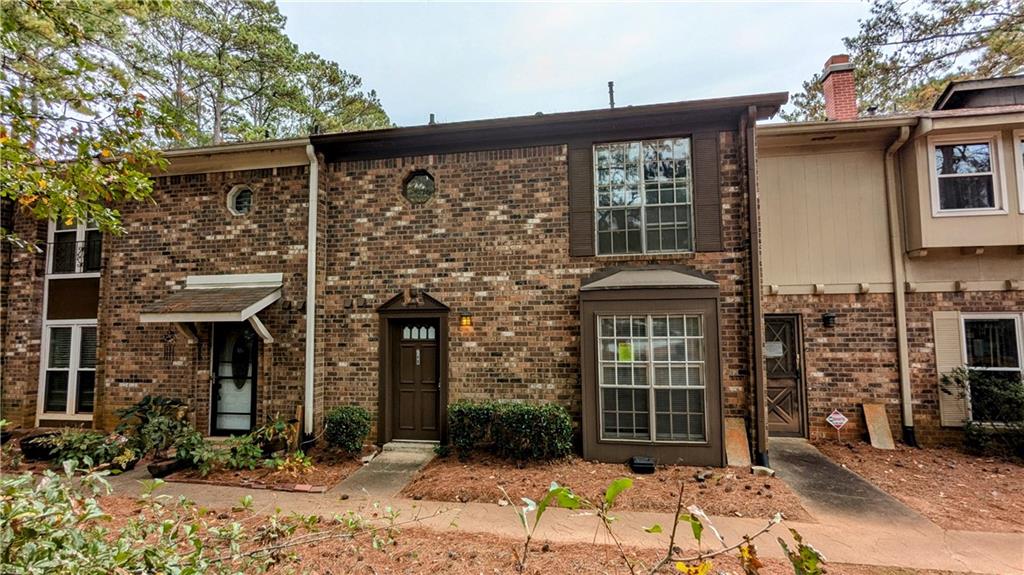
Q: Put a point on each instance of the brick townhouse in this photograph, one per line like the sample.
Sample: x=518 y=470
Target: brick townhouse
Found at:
x=597 y=259
x=600 y=259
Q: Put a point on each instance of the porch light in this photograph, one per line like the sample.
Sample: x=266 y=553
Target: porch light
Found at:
x=465 y=319
x=828 y=319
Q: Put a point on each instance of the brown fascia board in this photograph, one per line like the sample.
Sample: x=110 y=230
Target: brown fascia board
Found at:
x=975 y=85
x=542 y=129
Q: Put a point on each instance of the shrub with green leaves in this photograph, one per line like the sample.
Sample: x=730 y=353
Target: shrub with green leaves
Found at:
x=346 y=427
x=86 y=445
x=469 y=425
x=521 y=431
x=154 y=424
x=997 y=410
x=524 y=431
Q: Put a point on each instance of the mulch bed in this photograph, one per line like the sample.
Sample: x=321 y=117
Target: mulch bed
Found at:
x=329 y=469
x=725 y=491
x=422 y=551
x=954 y=489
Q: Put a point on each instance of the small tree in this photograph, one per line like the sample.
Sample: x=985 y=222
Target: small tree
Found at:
x=997 y=409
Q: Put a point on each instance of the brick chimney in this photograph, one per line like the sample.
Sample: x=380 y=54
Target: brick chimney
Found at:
x=840 y=91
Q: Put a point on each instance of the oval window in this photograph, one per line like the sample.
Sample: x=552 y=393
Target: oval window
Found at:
x=240 y=200
x=419 y=187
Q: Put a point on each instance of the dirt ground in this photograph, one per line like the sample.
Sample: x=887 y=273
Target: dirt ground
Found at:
x=329 y=469
x=423 y=551
x=954 y=489
x=725 y=491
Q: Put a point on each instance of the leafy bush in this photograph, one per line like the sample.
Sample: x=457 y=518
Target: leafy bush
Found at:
x=276 y=435
x=469 y=425
x=519 y=431
x=347 y=427
x=196 y=451
x=242 y=453
x=524 y=431
x=154 y=424
x=997 y=410
x=91 y=446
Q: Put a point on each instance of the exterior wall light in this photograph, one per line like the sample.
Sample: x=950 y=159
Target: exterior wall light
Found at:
x=828 y=319
x=465 y=320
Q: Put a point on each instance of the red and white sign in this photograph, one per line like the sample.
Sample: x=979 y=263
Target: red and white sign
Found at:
x=836 y=419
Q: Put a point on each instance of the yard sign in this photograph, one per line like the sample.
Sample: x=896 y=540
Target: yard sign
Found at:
x=837 y=420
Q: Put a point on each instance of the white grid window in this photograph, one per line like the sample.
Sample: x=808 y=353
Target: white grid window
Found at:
x=69 y=377
x=74 y=248
x=651 y=378
x=644 y=196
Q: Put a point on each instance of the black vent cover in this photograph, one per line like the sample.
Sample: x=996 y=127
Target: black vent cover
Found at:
x=641 y=464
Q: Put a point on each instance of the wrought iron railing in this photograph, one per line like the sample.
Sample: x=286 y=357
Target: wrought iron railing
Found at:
x=76 y=257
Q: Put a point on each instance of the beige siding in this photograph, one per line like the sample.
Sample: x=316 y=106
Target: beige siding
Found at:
x=824 y=218
x=925 y=230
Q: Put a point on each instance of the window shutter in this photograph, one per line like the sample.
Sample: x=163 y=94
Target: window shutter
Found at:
x=707 y=195
x=946 y=327
x=581 y=199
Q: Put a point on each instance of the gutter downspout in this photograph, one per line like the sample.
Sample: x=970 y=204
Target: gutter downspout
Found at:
x=898 y=284
x=748 y=124
x=311 y=229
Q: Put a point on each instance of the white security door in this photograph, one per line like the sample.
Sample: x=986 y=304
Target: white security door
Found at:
x=236 y=348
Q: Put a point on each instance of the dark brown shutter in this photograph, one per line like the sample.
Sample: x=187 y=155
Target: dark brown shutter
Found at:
x=581 y=199
x=707 y=195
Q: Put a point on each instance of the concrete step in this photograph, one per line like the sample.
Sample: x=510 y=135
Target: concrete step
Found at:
x=412 y=446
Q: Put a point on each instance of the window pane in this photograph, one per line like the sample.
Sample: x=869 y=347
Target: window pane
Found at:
x=991 y=343
x=64 y=253
x=93 y=251
x=56 y=395
x=60 y=347
x=86 y=392
x=962 y=159
x=966 y=193
x=87 y=348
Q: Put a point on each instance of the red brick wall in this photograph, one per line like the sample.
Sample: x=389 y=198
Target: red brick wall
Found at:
x=494 y=243
x=21 y=297
x=188 y=230
x=853 y=363
x=922 y=350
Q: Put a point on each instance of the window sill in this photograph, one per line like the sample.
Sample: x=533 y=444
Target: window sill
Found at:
x=654 y=443
x=969 y=213
x=60 y=415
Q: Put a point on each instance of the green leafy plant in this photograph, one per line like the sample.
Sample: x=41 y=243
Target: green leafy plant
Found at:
x=524 y=431
x=10 y=458
x=806 y=560
x=346 y=427
x=92 y=446
x=154 y=424
x=997 y=410
x=242 y=453
x=469 y=425
x=295 y=464
x=196 y=451
x=276 y=434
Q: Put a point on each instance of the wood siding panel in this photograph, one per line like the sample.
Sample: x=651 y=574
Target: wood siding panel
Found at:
x=824 y=218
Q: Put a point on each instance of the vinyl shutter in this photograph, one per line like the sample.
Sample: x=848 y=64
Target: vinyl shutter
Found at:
x=707 y=195
x=581 y=199
x=946 y=326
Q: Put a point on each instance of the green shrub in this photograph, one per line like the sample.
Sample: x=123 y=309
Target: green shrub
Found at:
x=520 y=431
x=242 y=453
x=154 y=424
x=196 y=451
x=85 y=445
x=524 y=431
x=997 y=410
x=346 y=427
x=469 y=425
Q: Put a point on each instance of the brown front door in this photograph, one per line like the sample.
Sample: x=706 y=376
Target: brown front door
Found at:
x=785 y=382
x=416 y=381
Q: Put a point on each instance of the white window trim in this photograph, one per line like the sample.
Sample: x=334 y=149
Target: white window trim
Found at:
x=69 y=413
x=1018 y=160
x=231 y=199
x=995 y=142
x=80 y=236
x=643 y=202
x=653 y=439
x=1018 y=319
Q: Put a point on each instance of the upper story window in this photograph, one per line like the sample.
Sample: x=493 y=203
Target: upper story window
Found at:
x=965 y=175
x=1018 y=140
x=644 y=196
x=240 y=200
x=75 y=248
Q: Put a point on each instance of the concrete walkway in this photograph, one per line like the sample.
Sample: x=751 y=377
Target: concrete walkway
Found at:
x=866 y=542
x=834 y=494
x=386 y=475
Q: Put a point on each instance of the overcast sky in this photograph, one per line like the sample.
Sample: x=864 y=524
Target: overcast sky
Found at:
x=471 y=61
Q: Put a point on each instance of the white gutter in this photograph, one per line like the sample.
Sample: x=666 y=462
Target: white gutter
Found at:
x=898 y=284
x=314 y=185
